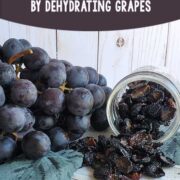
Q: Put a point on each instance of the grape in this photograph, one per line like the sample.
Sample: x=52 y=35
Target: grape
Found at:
x=99 y=120
x=67 y=64
x=11 y=47
x=102 y=80
x=53 y=74
x=93 y=75
x=80 y=101
x=36 y=60
x=2 y=96
x=36 y=144
x=7 y=74
x=12 y=118
x=77 y=125
x=59 y=138
x=56 y=61
x=7 y=148
x=98 y=94
x=21 y=134
x=30 y=75
x=23 y=93
x=30 y=119
x=45 y=122
x=51 y=101
x=77 y=77
x=108 y=92
x=26 y=44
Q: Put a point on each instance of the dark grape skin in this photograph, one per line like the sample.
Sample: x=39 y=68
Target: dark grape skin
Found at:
x=59 y=138
x=11 y=47
x=67 y=64
x=102 y=80
x=26 y=44
x=53 y=75
x=52 y=101
x=30 y=119
x=99 y=120
x=23 y=93
x=107 y=91
x=12 y=118
x=44 y=122
x=7 y=74
x=2 y=96
x=30 y=75
x=36 y=60
x=98 y=94
x=36 y=144
x=77 y=77
x=93 y=75
x=7 y=148
x=77 y=125
x=80 y=101
x=21 y=134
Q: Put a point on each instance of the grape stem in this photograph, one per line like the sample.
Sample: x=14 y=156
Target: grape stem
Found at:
x=64 y=88
x=15 y=135
x=12 y=59
x=18 y=69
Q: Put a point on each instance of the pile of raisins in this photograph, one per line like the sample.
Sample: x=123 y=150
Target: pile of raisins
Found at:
x=125 y=157
x=145 y=106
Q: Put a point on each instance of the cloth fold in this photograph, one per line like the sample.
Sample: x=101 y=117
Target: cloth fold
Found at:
x=55 y=166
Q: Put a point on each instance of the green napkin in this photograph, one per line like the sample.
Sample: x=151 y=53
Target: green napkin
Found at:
x=55 y=166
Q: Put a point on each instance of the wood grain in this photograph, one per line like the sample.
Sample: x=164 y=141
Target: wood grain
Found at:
x=173 y=49
x=115 y=54
x=149 y=47
x=4 y=30
x=80 y=48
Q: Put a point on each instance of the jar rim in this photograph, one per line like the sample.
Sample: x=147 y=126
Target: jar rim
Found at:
x=153 y=75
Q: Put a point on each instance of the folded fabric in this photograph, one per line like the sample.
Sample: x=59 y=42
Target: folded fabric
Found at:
x=55 y=166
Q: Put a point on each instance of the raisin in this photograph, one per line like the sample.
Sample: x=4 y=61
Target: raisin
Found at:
x=167 y=113
x=123 y=110
x=153 y=171
x=124 y=165
x=140 y=92
x=154 y=110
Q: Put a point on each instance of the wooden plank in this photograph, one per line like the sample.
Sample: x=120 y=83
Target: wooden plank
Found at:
x=4 y=29
x=115 y=54
x=150 y=46
x=80 y=48
x=40 y=37
x=173 y=50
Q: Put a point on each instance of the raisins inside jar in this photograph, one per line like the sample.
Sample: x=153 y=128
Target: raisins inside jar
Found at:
x=146 y=100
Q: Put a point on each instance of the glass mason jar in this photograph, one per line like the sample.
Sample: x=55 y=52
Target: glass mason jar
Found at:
x=153 y=74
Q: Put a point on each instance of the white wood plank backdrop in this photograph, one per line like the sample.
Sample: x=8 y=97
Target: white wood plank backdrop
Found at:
x=112 y=53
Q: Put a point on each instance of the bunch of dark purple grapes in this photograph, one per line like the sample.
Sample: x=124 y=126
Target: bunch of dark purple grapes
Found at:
x=48 y=104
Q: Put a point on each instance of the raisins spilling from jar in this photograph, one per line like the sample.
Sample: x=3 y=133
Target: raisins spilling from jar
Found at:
x=125 y=157
x=145 y=106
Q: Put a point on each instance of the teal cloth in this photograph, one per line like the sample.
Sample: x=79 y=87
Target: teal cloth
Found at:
x=171 y=148
x=55 y=166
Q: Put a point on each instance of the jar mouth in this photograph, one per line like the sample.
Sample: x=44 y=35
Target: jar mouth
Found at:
x=151 y=76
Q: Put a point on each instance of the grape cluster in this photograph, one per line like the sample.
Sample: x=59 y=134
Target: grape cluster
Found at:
x=48 y=104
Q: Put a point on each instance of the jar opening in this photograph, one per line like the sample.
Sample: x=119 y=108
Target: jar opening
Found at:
x=133 y=86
